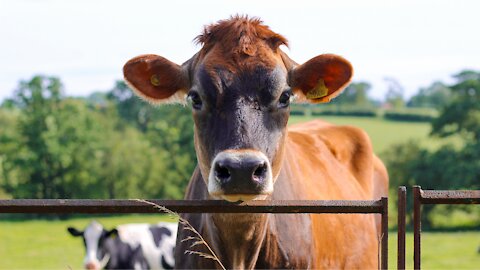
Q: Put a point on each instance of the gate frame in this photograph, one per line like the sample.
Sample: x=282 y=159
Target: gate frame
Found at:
x=62 y=206
x=401 y=230
x=421 y=197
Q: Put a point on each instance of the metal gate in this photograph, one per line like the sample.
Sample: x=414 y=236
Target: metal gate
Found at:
x=207 y=206
x=421 y=197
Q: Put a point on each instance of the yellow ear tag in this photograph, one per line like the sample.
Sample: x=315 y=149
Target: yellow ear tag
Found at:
x=319 y=91
x=154 y=80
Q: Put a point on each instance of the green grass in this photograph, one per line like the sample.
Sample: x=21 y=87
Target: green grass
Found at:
x=452 y=250
x=42 y=244
x=383 y=133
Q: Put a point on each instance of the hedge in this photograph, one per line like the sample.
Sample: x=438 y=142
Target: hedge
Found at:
x=349 y=112
x=411 y=114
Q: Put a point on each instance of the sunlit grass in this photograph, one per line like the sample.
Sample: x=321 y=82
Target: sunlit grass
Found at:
x=452 y=250
x=383 y=133
x=41 y=244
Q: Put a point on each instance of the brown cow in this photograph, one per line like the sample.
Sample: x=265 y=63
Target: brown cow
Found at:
x=240 y=85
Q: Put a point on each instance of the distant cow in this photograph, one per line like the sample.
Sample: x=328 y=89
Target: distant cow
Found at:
x=129 y=246
x=239 y=86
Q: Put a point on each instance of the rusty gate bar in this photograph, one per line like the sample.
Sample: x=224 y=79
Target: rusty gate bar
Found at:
x=450 y=197
x=384 y=258
x=402 y=199
x=421 y=196
x=188 y=206
x=417 y=226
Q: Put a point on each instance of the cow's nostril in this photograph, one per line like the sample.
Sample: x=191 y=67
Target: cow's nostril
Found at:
x=260 y=171
x=222 y=173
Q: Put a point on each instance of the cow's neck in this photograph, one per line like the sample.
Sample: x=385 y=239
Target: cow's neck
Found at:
x=238 y=238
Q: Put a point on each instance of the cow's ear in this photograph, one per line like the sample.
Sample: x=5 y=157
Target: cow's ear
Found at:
x=112 y=233
x=156 y=79
x=321 y=78
x=74 y=232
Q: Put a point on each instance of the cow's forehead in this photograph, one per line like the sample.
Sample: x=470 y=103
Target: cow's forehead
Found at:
x=259 y=78
x=93 y=231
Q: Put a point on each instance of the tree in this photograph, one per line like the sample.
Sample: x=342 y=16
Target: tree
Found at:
x=130 y=107
x=462 y=115
x=436 y=96
x=394 y=95
x=356 y=94
x=39 y=98
x=8 y=148
x=54 y=151
x=171 y=129
x=462 y=118
x=169 y=132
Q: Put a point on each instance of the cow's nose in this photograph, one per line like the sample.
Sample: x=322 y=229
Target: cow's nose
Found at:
x=241 y=172
x=250 y=170
x=90 y=266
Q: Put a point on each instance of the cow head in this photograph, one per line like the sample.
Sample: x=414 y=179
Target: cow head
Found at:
x=239 y=86
x=95 y=239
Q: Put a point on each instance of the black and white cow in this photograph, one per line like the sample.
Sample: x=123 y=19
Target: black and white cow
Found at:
x=128 y=246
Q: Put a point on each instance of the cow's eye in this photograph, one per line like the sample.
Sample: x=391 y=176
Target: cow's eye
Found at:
x=284 y=100
x=194 y=98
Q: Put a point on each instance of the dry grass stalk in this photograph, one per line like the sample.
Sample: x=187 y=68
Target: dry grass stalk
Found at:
x=197 y=239
x=379 y=253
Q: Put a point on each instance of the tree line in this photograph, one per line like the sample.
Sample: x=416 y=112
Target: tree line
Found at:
x=108 y=145
x=453 y=165
x=435 y=96
x=355 y=101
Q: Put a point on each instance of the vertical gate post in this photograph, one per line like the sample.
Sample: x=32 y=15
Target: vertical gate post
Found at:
x=384 y=233
x=417 y=225
x=402 y=199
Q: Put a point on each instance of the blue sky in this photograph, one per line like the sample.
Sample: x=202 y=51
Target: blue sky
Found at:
x=86 y=43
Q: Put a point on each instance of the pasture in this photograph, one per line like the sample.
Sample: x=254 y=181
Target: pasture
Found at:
x=40 y=244
x=383 y=133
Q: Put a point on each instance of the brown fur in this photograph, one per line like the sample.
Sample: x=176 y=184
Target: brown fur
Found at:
x=239 y=35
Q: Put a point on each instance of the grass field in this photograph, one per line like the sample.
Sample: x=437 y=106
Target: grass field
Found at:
x=383 y=133
x=452 y=250
x=39 y=244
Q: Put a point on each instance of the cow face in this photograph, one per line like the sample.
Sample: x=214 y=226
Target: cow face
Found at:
x=239 y=86
x=95 y=239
